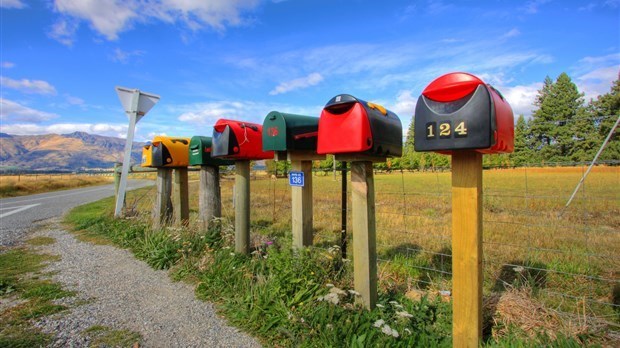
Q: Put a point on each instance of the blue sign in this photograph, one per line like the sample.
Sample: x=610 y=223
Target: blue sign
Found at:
x=296 y=179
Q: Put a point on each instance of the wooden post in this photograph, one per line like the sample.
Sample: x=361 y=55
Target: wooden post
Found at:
x=242 y=207
x=162 y=210
x=467 y=248
x=364 y=232
x=209 y=196
x=302 y=206
x=180 y=197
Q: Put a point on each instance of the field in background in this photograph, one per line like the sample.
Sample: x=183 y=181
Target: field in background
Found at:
x=569 y=262
x=27 y=184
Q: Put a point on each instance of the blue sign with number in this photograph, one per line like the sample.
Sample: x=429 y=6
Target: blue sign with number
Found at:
x=296 y=179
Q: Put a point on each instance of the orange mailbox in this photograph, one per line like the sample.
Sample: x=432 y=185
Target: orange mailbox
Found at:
x=350 y=126
x=238 y=140
x=458 y=111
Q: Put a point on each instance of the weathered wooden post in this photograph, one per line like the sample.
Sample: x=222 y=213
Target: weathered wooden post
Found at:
x=209 y=195
x=162 y=209
x=362 y=133
x=180 y=196
x=241 y=142
x=293 y=138
x=169 y=154
x=117 y=177
x=459 y=114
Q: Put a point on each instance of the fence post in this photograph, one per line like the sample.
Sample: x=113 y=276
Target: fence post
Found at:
x=343 y=210
x=302 y=205
x=242 y=206
x=162 y=209
x=209 y=196
x=180 y=196
x=364 y=232
x=467 y=248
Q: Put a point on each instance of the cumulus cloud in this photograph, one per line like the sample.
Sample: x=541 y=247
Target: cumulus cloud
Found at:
x=302 y=82
x=111 y=17
x=15 y=112
x=28 y=86
x=598 y=81
x=521 y=97
x=12 y=4
x=112 y=130
x=405 y=104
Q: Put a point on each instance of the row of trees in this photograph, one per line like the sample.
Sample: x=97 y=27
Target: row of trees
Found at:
x=563 y=128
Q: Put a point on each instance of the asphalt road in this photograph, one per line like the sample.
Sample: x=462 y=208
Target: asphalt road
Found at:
x=18 y=215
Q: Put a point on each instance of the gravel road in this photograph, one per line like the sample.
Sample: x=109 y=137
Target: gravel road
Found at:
x=117 y=291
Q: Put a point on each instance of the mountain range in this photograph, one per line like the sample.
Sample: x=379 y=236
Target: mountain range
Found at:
x=78 y=151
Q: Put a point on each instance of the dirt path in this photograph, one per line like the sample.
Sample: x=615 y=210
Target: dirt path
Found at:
x=117 y=291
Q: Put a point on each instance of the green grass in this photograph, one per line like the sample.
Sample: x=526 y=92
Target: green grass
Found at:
x=278 y=295
x=103 y=336
x=21 y=279
x=38 y=241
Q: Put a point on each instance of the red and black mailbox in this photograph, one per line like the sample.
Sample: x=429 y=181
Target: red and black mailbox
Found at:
x=458 y=111
x=349 y=125
x=238 y=140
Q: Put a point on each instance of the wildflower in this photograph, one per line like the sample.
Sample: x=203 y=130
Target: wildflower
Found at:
x=290 y=316
x=519 y=269
x=379 y=305
x=404 y=314
x=354 y=293
x=329 y=285
x=408 y=331
x=331 y=298
x=393 y=303
x=302 y=320
x=389 y=331
x=379 y=323
x=337 y=291
x=329 y=326
x=268 y=243
x=232 y=254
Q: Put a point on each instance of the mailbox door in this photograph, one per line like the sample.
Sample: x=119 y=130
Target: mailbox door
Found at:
x=161 y=156
x=504 y=120
x=289 y=132
x=224 y=141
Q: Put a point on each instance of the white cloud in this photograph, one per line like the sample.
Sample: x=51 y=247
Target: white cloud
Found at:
x=12 y=4
x=28 y=86
x=112 y=130
x=111 y=17
x=521 y=97
x=64 y=31
x=533 y=6
x=512 y=33
x=12 y=111
x=7 y=65
x=208 y=113
x=74 y=100
x=302 y=82
x=405 y=104
x=598 y=81
x=123 y=57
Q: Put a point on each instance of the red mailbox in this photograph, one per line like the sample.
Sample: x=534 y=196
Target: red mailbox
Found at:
x=238 y=140
x=458 y=111
x=352 y=126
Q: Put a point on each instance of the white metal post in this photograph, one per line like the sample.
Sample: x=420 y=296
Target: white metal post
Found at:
x=133 y=119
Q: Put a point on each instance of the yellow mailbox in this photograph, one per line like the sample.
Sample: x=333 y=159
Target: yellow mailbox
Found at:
x=166 y=152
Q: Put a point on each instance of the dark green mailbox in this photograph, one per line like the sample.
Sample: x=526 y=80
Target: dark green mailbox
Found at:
x=290 y=133
x=200 y=153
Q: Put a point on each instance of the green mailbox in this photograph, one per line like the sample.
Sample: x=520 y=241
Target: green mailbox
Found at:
x=290 y=134
x=200 y=153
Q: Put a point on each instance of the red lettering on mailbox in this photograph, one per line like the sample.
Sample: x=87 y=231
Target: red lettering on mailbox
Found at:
x=272 y=131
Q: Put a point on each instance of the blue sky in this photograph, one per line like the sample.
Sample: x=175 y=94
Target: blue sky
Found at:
x=209 y=59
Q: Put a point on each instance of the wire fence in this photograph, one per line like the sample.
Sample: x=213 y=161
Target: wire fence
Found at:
x=571 y=262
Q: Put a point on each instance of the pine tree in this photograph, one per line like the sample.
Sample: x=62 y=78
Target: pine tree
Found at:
x=607 y=108
x=558 y=104
x=523 y=152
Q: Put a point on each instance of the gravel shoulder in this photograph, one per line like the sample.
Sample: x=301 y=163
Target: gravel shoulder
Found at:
x=118 y=291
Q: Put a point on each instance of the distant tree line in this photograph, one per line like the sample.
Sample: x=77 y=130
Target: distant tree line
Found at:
x=562 y=129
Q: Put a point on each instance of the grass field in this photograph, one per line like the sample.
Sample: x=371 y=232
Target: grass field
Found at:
x=27 y=184
x=543 y=269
